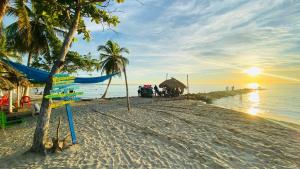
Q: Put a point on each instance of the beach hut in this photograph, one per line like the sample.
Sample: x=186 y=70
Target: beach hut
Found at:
x=11 y=79
x=8 y=86
x=173 y=87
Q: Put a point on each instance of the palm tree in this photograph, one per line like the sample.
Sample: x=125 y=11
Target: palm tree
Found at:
x=65 y=14
x=29 y=34
x=3 y=8
x=112 y=61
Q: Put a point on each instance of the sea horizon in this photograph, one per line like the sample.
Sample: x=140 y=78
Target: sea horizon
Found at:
x=277 y=102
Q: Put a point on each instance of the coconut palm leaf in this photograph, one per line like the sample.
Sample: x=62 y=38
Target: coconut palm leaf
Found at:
x=3 y=9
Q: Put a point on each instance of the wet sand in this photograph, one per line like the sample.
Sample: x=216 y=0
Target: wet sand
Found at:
x=158 y=134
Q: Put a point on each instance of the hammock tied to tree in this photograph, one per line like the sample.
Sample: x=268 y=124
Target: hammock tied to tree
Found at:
x=41 y=76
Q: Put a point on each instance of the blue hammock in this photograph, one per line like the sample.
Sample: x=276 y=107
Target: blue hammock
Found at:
x=40 y=76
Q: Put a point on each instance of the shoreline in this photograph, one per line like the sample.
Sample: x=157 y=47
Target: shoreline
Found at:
x=184 y=97
x=291 y=125
x=157 y=134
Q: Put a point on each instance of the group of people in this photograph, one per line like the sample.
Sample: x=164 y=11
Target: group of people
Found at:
x=167 y=92
x=227 y=88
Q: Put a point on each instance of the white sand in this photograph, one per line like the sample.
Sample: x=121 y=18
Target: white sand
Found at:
x=158 y=134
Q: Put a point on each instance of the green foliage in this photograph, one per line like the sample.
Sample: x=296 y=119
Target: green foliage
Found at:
x=23 y=13
x=74 y=62
x=44 y=23
x=32 y=37
x=5 y=52
x=111 y=59
x=60 y=13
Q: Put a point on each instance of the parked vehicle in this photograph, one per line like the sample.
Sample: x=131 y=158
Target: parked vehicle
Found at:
x=145 y=91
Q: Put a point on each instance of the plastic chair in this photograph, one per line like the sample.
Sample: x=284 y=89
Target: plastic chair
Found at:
x=4 y=101
x=25 y=100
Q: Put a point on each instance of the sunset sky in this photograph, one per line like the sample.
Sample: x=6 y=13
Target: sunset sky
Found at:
x=211 y=40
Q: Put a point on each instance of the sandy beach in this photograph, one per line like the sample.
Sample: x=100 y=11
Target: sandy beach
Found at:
x=158 y=134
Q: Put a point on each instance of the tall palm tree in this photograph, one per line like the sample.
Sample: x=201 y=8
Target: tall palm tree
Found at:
x=112 y=61
x=70 y=15
x=29 y=34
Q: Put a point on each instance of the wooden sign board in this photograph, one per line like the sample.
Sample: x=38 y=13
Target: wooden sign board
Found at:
x=63 y=88
x=63 y=82
x=62 y=103
x=58 y=79
x=60 y=95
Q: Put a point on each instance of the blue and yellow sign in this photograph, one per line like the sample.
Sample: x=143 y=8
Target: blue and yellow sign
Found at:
x=63 y=91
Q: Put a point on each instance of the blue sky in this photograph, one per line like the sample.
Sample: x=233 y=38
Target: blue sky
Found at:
x=211 y=40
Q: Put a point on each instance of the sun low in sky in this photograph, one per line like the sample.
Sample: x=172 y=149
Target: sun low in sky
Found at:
x=253 y=71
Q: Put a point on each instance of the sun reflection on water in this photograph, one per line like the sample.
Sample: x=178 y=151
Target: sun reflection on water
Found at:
x=253 y=86
x=254 y=100
x=254 y=97
x=253 y=111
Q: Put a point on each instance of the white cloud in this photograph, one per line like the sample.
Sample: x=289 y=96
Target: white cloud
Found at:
x=176 y=35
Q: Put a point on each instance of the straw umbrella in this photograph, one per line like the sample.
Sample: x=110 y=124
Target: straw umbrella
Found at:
x=6 y=84
x=173 y=84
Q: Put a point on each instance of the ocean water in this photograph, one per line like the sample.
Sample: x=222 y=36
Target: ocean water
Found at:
x=279 y=102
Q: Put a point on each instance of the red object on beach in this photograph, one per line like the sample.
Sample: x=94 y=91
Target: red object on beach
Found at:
x=25 y=99
x=4 y=101
x=147 y=86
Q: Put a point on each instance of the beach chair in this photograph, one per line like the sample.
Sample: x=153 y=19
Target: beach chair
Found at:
x=4 y=101
x=25 y=100
x=4 y=120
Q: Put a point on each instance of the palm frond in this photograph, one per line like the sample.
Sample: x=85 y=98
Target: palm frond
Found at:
x=124 y=50
x=105 y=49
x=111 y=60
x=23 y=19
x=3 y=8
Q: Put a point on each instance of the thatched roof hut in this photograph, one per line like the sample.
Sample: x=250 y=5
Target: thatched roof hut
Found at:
x=7 y=73
x=6 y=84
x=172 y=84
x=11 y=79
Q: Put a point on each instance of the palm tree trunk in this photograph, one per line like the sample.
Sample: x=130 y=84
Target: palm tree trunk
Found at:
x=27 y=88
x=103 y=96
x=29 y=59
x=41 y=131
x=3 y=7
x=127 y=95
x=18 y=96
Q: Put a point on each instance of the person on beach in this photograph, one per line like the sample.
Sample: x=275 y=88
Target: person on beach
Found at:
x=232 y=88
x=36 y=109
x=140 y=91
x=163 y=92
x=156 y=91
x=36 y=91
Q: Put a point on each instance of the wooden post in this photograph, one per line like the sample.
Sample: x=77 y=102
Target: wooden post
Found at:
x=10 y=108
x=18 y=96
x=71 y=123
x=126 y=83
x=187 y=83
x=27 y=91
